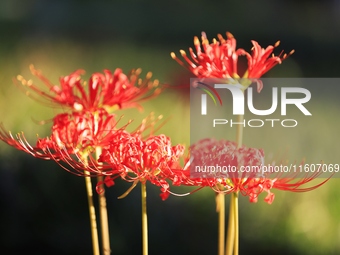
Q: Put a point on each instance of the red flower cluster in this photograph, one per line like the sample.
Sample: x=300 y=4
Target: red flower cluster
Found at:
x=74 y=133
x=138 y=160
x=219 y=59
x=89 y=131
x=210 y=152
x=88 y=141
x=108 y=90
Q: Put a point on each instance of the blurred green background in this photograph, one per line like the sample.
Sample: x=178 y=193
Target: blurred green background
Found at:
x=44 y=208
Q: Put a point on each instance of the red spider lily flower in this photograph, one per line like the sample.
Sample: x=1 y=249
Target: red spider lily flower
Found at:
x=254 y=187
x=134 y=159
x=207 y=155
x=108 y=90
x=143 y=160
x=76 y=137
x=20 y=142
x=209 y=152
x=219 y=59
x=262 y=60
x=77 y=133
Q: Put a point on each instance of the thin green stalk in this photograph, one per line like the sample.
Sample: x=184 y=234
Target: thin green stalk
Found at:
x=144 y=220
x=104 y=222
x=220 y=200
x=239 y=131
x=92 y=212
x=236 y=241
x=232 y=243
x=231 y=228
x=239 y=138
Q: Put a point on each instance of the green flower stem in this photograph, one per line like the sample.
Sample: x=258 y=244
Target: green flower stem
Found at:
x=232 y=242
x=239 y=131
x=104 y=222
x=144 y=220
x=220 y=202
x=231 y=228
x=92 y=212
x=236 y=241
x=239 y=138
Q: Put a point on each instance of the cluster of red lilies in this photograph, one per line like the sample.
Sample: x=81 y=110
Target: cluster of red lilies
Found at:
x=89 y=139
x=86 y=140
